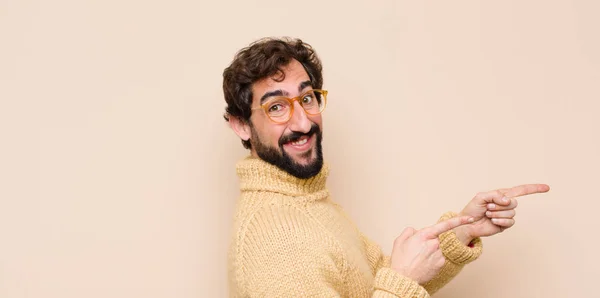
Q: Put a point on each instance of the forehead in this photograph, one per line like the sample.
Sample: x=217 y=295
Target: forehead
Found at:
x=294 y=73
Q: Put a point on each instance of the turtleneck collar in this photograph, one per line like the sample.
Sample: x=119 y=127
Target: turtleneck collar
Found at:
x=258 y=175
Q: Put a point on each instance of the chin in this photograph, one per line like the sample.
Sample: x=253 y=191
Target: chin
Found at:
x=306 y=158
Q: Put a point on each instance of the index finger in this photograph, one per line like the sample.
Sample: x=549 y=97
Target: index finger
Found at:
x=526 y=189
x=434 y=231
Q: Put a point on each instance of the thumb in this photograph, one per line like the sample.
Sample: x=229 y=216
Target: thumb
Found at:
x=494 y=196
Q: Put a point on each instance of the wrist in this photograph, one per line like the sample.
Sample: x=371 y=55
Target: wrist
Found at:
x=463 y=235
x=406 y=274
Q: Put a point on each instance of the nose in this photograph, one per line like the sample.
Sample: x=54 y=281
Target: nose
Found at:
x=299 y=121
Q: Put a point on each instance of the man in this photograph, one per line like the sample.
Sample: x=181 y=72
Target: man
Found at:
x=290 y=238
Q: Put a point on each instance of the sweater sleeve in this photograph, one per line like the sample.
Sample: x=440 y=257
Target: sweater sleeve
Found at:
x=388 y=282
x=456 y=253
x=457 y=256
x=284 y=253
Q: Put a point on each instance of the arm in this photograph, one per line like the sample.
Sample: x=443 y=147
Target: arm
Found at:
x=388 y=281
x=457 y=255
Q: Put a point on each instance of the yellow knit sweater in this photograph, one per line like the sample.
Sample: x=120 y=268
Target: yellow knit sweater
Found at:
x=291 y=240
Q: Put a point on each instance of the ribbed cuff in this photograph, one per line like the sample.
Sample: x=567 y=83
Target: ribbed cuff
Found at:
x=391 y=281
x=454 y=250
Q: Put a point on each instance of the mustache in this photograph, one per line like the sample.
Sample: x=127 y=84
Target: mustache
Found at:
x=294 y=136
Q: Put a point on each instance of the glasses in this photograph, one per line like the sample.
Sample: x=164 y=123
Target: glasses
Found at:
x=280 y=109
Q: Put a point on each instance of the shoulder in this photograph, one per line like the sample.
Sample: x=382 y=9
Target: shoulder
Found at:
x=272 y=218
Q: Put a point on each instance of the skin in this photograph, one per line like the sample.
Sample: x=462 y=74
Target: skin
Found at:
x=269 y=132
x=494 y=211
x=416 y=253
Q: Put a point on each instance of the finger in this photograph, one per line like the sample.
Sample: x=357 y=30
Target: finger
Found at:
x=497 y=197
x=407 y=233
x=436 y=255
x=442 y=260
x=502 y=200
x=526 y=189
x=493 y=196
x=503 y=222
x=432 y=245
x=501 y=214
x=434 y=231
x=503 y=190
x=512 y=205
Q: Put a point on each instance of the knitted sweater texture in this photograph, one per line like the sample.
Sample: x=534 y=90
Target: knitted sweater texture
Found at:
x=291 y=240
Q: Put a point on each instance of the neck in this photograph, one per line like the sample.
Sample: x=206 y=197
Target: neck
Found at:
x=258 y=175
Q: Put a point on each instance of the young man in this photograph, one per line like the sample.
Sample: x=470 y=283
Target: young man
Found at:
x=290 y=238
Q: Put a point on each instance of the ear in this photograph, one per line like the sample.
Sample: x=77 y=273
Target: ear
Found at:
x=240 y=127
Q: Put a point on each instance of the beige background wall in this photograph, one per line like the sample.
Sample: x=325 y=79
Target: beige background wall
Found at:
x=117 y=170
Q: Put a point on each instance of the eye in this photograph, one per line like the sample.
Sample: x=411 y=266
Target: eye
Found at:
x=275 y=108
x=307 y=99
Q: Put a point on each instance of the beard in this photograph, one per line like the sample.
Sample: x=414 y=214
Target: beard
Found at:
x=279 y=158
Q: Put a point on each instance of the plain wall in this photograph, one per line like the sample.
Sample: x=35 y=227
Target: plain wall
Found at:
x=117 y=170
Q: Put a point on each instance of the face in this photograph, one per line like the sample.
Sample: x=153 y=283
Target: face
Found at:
x=294 y=146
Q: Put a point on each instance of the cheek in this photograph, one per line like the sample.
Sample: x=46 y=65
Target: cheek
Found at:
x=271 y=134
x=317 y=120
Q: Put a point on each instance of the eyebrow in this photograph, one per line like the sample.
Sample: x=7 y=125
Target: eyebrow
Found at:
x=280 y=92
x=269 y=94
x=304 y=85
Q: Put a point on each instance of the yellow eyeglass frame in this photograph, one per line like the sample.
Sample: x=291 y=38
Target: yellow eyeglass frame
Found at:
x=265 y=106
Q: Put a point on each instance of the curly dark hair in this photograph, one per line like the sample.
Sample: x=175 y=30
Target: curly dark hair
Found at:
x=262 y=59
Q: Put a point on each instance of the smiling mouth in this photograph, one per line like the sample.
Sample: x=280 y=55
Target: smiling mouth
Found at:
x=301 y=144
x=300 y=141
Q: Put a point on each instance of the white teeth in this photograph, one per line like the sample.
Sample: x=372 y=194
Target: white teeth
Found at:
x=300 y=142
